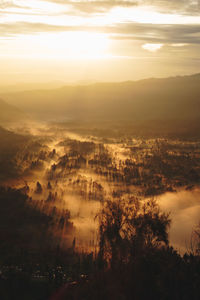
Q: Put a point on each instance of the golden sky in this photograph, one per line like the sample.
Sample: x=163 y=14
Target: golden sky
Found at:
x=103 y=40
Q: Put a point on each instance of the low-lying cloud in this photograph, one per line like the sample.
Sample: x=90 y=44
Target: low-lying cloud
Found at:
x=184 y=208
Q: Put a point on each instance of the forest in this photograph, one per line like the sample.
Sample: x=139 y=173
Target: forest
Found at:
x=82 y=213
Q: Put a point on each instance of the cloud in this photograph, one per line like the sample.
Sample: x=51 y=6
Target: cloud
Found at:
x=157 y=34
x=100 y=6
x=94 y=6
x=152 y=47
x=147 y=33
x=7 y=3
x=185 y=7
x=12 y=29
x=184 y=207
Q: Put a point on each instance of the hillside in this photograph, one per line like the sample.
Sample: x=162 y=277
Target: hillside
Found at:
x=11 y=144
x=150 y=99
x=10 y=113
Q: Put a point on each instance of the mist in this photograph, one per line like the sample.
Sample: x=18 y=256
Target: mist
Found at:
x=71 y=156
x=184 y=208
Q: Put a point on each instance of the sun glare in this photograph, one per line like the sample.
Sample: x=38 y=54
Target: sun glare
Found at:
x=63 y=45
x=80 y=44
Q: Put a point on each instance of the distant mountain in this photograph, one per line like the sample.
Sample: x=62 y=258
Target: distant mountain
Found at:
x=149 y=99
x=9 y=113
x=20 y=86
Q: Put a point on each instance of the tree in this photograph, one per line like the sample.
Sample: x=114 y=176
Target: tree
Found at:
x=38 y=188
x=130 y=228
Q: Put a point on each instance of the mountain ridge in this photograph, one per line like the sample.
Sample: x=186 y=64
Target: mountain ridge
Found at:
x=154 y=98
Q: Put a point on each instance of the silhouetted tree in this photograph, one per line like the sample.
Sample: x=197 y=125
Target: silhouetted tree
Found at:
x=38 y=188
x=128 y=229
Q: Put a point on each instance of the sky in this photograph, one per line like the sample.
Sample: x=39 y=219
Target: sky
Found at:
x=98 y=40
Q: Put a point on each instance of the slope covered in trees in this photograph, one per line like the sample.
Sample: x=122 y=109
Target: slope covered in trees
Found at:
x=10 y=113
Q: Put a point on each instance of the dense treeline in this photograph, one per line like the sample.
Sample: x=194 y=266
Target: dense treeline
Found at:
x=40 y=249
x=33 y=260
x=133 y=259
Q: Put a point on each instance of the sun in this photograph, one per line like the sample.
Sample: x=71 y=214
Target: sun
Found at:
x=65 y=45
x=82 y=44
